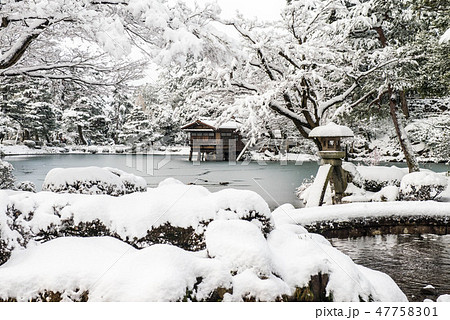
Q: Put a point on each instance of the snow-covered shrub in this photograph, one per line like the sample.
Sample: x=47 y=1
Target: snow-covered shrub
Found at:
x=356 y=194
x=295 y=267
x=388 y=193
x=9 y=238
x=173 y=213
x=6 y=176
x=93 y=180
x=305 y=190
x=30 y=144
x=131 y=182
x=374 y=178
x=26 y=186
x=420 y=186
x=224 y=239
x=302 y=191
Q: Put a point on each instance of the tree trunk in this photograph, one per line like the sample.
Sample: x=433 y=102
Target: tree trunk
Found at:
x=26 y=135
x=80 y=134
x=401 y=134
x=404 y=104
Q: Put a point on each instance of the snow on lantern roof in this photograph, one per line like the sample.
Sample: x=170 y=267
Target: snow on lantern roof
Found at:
x=331 y=130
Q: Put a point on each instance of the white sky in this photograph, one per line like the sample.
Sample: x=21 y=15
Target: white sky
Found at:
x=262 y=9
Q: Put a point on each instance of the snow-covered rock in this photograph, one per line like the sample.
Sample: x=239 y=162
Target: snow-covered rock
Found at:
x=422 y=185
x=93 y=180
x=388 y=193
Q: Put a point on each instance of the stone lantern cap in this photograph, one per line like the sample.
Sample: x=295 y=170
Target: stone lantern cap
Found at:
x=331 y=130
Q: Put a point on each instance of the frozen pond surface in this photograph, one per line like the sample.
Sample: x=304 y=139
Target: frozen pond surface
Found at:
x=413 y=261
x=274 y=181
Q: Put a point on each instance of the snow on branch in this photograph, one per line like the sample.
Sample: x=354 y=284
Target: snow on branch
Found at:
x=286 y=112
x=340 y=98
x=13 y=55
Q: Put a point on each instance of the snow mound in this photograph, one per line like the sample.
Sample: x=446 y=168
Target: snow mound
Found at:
x=106 y=269
x=70 y=266
x=331 y=130
x=93 y=180
x=161 y=273
x=374 y=178
x=422 y=185
x=224 y=241
x=443 y=298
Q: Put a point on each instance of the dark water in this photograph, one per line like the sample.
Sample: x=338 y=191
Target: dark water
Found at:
x=274 y=181
x=413 y=261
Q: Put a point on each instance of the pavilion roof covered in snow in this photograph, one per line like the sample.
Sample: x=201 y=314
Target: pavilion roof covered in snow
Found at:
x=212 y=125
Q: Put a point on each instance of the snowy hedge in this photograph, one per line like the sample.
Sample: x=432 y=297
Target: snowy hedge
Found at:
x=290 y=265
x=93 y=180
x=26 y=186
x=172 y=213
x=422 y=186
x=57 y=247
x=374 y=178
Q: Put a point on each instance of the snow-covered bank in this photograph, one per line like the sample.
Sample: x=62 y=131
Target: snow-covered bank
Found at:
x=172 y=243
x=289 y=156
x=380 y=184
x=287 y=214
x=19 y=149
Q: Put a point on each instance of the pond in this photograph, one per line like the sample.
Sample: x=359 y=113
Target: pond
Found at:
x=274 y=181
x=413 y=261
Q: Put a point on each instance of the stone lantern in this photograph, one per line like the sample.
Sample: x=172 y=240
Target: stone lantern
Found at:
x=330 y=137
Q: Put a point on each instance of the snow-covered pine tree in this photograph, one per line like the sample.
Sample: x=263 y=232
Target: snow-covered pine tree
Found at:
x=6 y=176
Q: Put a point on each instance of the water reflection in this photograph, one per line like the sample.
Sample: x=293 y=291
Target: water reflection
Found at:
x=413 y=261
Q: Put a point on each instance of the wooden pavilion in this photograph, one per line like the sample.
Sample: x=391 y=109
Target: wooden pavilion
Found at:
x=212 y=141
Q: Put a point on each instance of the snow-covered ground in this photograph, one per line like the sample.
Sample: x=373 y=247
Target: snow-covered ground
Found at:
x=19 y=149
x=12 y=149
